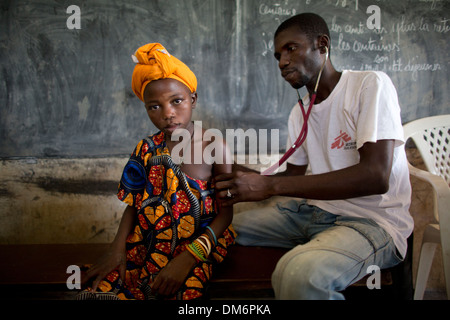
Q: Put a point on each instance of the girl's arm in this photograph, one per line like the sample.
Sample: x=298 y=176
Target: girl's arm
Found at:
x=115 y=257
x=174 y=274
x=225 y=216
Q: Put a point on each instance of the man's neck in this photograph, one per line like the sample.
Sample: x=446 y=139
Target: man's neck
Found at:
x=328 y=81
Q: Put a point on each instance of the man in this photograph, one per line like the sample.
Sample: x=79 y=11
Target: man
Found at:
x=357 y=212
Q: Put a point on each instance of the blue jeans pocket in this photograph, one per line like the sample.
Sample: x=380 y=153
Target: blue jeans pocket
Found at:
x=375 y=234
x=321 y=217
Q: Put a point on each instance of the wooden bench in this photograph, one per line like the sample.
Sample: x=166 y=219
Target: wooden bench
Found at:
x=40 y=272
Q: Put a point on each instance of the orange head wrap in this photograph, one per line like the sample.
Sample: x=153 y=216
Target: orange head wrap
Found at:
x=153 y=62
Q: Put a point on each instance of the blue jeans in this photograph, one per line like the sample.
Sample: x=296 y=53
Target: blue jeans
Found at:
x=328 y=252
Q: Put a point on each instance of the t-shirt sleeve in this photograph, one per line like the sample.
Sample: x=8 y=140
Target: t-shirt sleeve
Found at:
x=379 y=115
x=134 y=177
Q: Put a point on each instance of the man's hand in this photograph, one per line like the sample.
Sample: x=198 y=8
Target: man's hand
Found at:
x=243 y=186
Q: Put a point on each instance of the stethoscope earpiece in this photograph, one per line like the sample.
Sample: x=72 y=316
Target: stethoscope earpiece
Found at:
x=304 y=131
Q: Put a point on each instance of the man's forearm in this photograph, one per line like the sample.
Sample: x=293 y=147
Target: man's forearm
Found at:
x=347 y=183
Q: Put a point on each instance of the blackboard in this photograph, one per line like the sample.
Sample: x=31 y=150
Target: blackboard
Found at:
x=66 y=92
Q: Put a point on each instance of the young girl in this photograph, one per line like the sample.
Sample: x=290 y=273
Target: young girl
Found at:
x=173 y=227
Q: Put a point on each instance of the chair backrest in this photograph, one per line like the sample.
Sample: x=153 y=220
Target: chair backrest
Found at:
x=432 y=138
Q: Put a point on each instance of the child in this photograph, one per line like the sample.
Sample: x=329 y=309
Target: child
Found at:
x=173 y=226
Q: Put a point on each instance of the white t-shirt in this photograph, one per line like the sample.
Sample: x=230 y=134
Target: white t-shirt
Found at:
x=363 y=107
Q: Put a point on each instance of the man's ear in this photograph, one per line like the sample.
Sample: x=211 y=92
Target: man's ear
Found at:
x=323 y=41
x=194 y=98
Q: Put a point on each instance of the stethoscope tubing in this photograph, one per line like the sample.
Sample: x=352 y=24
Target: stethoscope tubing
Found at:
x=304 y=131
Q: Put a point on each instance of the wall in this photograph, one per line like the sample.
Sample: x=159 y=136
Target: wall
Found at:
x=59 y=200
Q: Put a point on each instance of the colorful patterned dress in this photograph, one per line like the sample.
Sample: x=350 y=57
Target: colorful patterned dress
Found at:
x=172 y=211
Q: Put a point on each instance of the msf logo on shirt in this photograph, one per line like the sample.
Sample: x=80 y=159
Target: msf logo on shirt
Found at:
x=343 y=140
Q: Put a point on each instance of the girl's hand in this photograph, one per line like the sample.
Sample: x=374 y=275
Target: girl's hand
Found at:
x=113 y=259
x=174 y=274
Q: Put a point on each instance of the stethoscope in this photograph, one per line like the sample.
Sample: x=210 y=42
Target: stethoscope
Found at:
x=304 y=131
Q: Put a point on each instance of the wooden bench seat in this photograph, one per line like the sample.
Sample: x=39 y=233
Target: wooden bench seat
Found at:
x=38 y=271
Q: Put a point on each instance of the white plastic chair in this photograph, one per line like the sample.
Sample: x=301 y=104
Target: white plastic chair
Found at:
x=432 y=138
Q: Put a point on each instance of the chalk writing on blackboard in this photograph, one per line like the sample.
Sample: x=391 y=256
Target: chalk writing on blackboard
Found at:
x=51 y=108
x=387 y=43
x=433 y=3
x=276 y=9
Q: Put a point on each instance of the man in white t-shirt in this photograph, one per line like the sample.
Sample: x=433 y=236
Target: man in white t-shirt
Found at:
x=358 y=193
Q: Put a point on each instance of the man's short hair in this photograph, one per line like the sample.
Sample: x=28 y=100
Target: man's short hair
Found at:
x=311 y=24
